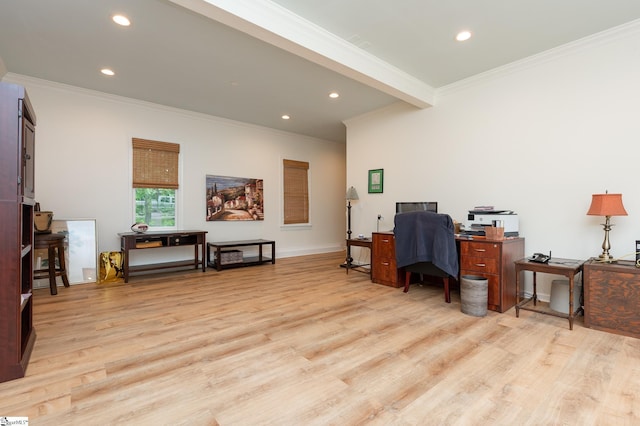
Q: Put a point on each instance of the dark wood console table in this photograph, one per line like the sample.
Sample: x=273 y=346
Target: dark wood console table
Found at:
x=160 y=239
x=219 y=263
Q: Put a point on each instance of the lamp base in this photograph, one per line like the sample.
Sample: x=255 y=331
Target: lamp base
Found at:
x=606 y=245
x=606 y=258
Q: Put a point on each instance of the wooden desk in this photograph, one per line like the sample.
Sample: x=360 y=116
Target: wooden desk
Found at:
x=557 y=266
x=493 y=260
x=160 y=239
x=359 y=242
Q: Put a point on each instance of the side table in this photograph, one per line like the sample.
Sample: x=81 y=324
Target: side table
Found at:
x=359 y=242
x=557 y=266
x=218 y=262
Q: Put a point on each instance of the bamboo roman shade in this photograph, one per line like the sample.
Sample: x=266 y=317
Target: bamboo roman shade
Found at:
x=155 y=164
x=296 y=191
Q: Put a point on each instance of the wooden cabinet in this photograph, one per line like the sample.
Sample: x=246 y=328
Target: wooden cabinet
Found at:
x=383 y=260
x=612 y=297
x=494 y=261
x=17 y=142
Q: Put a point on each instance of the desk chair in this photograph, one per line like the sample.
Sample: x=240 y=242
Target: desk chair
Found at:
x=425 y=243
x=427 y=268
x=54 y=243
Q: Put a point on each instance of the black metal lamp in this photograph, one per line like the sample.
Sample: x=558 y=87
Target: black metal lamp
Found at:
x=352 y=195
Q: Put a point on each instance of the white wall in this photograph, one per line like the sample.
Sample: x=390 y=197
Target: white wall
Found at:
x=537 y=137
x=83 y=167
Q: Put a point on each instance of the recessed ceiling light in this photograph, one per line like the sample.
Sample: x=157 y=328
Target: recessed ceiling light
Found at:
x=334 y=95
x=121 y=20
x=107 y=71
x=463 y=35
x=286 y=117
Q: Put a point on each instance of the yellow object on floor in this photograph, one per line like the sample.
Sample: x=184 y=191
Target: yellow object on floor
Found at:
x=111 y=267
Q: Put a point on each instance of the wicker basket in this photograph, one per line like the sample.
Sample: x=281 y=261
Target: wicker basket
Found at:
x=228 y=257
x=42 y=222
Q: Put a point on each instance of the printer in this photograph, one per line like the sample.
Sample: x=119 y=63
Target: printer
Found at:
x=478 y=219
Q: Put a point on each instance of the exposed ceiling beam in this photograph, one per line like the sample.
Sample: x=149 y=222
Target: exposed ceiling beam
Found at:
x=273 y=24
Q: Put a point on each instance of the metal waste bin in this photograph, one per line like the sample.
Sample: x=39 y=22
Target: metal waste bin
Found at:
x=474 y=291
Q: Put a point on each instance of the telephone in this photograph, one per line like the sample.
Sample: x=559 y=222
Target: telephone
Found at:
x=540 y=258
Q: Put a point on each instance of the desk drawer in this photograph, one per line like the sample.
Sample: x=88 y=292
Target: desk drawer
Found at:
x=384 y=246
x=384 y=271
x=183 y=240
x=387 y=270
x=479 y=249
x=484 y=265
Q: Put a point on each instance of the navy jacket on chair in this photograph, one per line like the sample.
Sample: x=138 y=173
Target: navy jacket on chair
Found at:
x=426 y=237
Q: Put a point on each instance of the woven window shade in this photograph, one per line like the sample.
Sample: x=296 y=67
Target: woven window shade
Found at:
x=155 y=164
x=296 y=191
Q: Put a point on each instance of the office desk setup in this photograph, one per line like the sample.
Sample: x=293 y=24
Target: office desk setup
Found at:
x=492 y=259
x=612 y=308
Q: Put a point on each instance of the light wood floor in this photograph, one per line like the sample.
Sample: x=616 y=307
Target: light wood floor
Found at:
x=302 y=343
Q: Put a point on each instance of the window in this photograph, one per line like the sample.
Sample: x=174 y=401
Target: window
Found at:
x=296 y=191
x=155 y=182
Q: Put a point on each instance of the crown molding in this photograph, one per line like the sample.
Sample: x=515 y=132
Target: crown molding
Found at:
x=107 y=97
x=611 y=35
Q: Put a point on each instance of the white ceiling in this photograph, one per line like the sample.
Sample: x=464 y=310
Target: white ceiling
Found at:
x=254 y=60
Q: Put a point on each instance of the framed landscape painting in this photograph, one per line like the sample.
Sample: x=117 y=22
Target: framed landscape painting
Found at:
x=234 y=198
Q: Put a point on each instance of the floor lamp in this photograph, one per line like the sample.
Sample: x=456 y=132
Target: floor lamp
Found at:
x=352 y=195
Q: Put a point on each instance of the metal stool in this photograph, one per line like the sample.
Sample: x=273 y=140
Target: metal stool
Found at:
x=52 y=242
